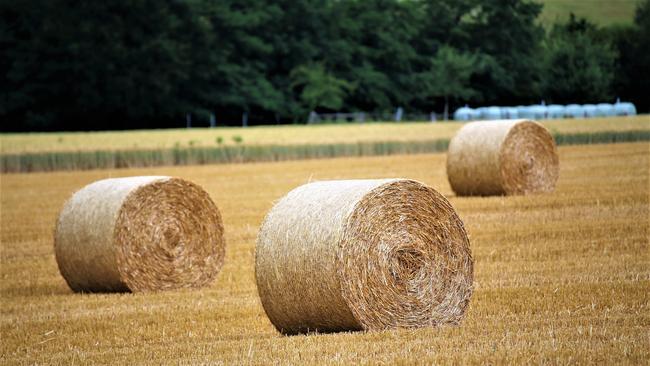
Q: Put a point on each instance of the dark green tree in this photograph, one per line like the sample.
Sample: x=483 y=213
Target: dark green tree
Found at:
x=505 y=33
x=298 y=36
x=449 y=76
x=95 y=64
x=138 y=64
x=504 y=36
x=578 y=68
x=319 y=88
x=371 y=43
x=239 y=81
x=632 y=82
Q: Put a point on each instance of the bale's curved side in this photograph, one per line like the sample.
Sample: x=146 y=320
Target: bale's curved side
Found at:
x=296 y=256
x=83 y=240
x=473 y=157
x=139 y=234
x=362 y=254
x=502 y=157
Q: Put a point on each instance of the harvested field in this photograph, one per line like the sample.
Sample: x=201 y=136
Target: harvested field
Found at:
x=559 y=278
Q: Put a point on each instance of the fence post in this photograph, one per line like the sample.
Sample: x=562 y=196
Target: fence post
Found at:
x=313 y=117
x=398 y=114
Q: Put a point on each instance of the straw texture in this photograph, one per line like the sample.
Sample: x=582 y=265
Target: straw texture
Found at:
x=363 y=255
x=508 y=157
x=139 y=234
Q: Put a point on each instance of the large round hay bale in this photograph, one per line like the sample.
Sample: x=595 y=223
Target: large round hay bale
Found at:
x=363 y=254
x=139 y=234
x=502 y=158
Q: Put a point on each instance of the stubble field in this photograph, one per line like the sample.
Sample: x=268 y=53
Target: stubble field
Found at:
x=559 y=278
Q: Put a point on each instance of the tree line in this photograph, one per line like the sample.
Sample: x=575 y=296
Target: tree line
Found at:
x=117 y=64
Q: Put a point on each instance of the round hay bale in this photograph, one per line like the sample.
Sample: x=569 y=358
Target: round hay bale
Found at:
x=363 y=255
x=139 y=234
x=502 y=158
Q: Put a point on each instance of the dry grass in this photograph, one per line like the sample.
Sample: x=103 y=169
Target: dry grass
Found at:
x=560 y=278
x=277 y=135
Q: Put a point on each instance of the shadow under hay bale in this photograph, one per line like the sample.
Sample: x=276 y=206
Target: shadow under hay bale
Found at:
x=502 y=158
x=363 y=255
x=139 y=234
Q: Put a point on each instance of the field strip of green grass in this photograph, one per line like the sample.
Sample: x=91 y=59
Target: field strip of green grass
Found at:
x=84 y=160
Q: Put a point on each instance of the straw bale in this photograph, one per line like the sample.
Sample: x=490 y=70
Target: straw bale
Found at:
x=506 y=157
x=139 y=234
x=363 y=255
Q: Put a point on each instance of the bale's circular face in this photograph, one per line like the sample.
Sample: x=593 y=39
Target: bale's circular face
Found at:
x=404 y=259
x=168 y=235
x=528 y=160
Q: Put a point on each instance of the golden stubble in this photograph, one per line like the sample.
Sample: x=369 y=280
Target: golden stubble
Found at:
x=561 y=277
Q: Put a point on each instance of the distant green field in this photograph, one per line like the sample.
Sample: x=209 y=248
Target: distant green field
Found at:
x=602 y=12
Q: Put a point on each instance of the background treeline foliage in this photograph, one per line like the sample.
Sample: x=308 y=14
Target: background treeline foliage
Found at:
x=83 y=65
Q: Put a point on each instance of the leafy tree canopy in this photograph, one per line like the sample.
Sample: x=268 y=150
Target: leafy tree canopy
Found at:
x=143 y=64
